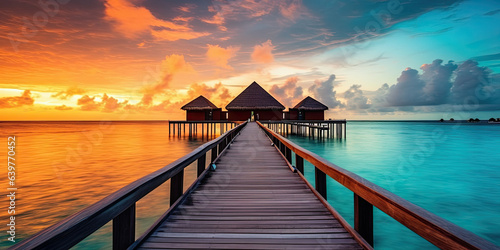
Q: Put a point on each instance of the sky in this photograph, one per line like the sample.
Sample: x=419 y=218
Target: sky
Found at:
x=144 y=59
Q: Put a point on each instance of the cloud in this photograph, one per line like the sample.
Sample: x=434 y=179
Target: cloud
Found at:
x=133 y=21
x=220 y=56
x=17 y=101
x=63 y=107
x=88 y=103
x=289 y=94
x=218 y=94
x=437 y=78
x=490 y=57
x=355 y=99
x=441 y=84
x=250 y=9
x=107 y=103
x=71 y=91
x=170 y=66
x=292 y=10
x=472 y=81
x=263 y=53
x=218 y=20
x=323 y=92
x=408 y=90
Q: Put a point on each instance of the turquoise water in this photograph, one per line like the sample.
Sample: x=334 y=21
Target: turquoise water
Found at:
x=450 y=169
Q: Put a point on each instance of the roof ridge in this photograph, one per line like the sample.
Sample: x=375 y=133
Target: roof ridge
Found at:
x=199 y=103
x=254 y=96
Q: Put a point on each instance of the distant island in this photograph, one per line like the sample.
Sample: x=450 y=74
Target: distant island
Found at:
x=472 y=120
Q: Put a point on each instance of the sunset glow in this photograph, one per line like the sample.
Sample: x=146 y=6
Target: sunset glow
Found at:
x=144 y=59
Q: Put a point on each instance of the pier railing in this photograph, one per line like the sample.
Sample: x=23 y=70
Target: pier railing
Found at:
x=312 y=128
x=120 y=206
x=433 y=228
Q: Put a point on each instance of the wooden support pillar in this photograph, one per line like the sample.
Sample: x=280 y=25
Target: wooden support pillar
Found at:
x=176 y=187
x=345 y=130
x=363 y=218
x=320 y=180
x=124 y=229
x=201 y=165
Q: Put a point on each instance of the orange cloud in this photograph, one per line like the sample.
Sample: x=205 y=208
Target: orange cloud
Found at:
x=292 y=11
x=71 y=91
x=17 y=101
x=170 y=66
x=217 y=94
x=87 y=103
x=63 y=107
x=107 y=104
x=289 y=94
x=220 y=56
x=218 y=20
x=263 y=53
x=133 y=21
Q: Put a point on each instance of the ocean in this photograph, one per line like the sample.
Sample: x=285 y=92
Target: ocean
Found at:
x=452 y=170
x=63 y=167
x=449 y=169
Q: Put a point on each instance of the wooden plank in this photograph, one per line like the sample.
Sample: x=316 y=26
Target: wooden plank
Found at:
x=252 y=240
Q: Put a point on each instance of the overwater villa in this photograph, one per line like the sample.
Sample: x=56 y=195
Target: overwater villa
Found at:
x=254 y=103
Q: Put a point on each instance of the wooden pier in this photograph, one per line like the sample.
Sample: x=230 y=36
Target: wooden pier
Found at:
x=251 y=201
x=199 y=128
x=314 y=129
x=251 y=194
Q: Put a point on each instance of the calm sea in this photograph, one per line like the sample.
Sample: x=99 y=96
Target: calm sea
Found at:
x=450 y=169
x=62 y=167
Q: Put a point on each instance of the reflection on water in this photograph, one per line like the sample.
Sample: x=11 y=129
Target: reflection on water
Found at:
x=451 y=170
x=62 y=167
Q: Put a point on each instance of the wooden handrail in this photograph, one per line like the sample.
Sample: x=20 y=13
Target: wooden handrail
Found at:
x=431 y=227
x=120 y=204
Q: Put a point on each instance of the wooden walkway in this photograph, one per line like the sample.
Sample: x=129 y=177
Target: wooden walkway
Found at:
x=252 y=201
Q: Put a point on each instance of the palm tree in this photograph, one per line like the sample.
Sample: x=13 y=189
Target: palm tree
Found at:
x=491 y=119
x=477 y=120
x=451 y=119
x=442 y=120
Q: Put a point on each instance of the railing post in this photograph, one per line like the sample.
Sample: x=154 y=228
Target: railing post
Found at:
x=201 y=164
x=320 y=180
x=176 y=186
x=288 y=154
x=221 y=146
x=299 y=163
x=363 y=218
x=214 y=153
x=124 y=229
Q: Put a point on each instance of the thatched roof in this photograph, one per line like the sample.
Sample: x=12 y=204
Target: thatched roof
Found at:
x=310 y=103
x=200 y=103
x=254 y=97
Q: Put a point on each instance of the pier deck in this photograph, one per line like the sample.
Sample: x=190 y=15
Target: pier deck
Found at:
x=251 y=201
